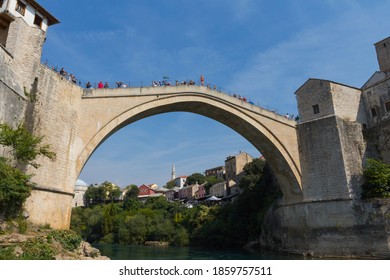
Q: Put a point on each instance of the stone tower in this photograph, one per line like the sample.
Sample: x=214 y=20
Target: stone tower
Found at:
x=173 y=173
x=331 y=142
x=383 y=54
x=23 y=27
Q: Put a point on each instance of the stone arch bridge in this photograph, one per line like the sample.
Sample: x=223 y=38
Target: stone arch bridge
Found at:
x=95 y=114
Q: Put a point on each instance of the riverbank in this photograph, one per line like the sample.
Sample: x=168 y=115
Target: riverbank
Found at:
x=20 y=240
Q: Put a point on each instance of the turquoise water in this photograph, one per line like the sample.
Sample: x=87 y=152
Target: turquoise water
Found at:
x=131 y=252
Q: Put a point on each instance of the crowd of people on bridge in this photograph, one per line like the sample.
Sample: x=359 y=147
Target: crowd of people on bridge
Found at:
x=291 y=117
x=164 y=82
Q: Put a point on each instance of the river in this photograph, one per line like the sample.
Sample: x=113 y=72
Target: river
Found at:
x=133 y=252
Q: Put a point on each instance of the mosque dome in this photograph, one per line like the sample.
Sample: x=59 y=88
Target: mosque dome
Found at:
x=81 y=183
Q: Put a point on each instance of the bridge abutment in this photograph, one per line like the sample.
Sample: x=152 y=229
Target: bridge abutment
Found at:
x=334 y=228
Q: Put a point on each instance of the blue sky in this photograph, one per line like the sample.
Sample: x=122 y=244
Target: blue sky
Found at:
x=264 y=50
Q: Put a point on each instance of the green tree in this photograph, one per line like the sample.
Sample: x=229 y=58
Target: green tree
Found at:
x=111 y=190
x=170 y=185
x=102 y=193
x=132 y=191
x=377 y=179
x=15 y=188
x=110 y=221
x=95 y=194
x=24 y=146
x=15 y=185
x=195 y=178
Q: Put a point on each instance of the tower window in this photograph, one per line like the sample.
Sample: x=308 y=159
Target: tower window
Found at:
x=316 y=109
x=38 y=20
x=387 y=106
x=374 y=113
x=20 y=7
x=1 y=3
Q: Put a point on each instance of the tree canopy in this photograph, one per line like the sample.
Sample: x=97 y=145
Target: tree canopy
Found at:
x=15 y=185
x=24 y=146
x=195 y=178
x=377 y=179
x=102 y=193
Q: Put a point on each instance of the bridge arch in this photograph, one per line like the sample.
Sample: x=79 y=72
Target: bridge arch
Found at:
x=273 y=135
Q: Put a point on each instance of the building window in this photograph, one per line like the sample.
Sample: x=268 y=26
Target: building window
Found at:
x=38 y=20
x=387 y=105
x=1 y=3
x=374 y=112
x=20 y=7
x=316 y=109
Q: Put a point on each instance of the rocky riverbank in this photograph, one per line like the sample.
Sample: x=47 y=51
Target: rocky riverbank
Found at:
x=20 y=240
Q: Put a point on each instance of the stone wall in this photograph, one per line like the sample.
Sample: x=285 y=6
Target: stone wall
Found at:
x=13 y=102
x=357 y=229
x=332 y=99
x=375 y=95
x=383 y=54
x=314 y=92
x=322 y=163
x=378 y=141
x=55 y=114
x=25 y=45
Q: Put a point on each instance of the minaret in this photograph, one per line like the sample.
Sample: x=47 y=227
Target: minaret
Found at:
x=173 y=172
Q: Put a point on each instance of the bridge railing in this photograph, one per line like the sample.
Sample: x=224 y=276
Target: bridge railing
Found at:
x=152 y=83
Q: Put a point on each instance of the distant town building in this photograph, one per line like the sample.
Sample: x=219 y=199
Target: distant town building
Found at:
x=147 y=191
x=219 y=189
x=161 y=190
x=218 y=172
x=188 y=193
x=235 y=165
x=200 y=193
x=173 y=173
x=153 y=186
x=172 y=194
x=79 y=190
x=180 y=181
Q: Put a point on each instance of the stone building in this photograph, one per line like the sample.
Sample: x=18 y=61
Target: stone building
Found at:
x=180 y=181
x=340 y=127
x=376 y=101
x=220 y=189
x=219 y=172
x=331 y=139
x=79 y=190
x=234 y=166
x=188 y=193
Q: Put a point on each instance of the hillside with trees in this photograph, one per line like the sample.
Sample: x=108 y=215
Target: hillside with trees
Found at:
x=231 y=225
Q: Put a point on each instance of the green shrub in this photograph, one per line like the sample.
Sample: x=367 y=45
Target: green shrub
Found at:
x=377 y=179
x=68 y=239
x=15 y=188
x=37 y=249
x=22 y=225
x=7 y=253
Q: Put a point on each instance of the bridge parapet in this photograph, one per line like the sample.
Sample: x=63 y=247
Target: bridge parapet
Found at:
x=185 y=89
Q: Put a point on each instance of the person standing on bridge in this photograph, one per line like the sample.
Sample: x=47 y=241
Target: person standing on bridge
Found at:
x=202 y=80
x=100 y=85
